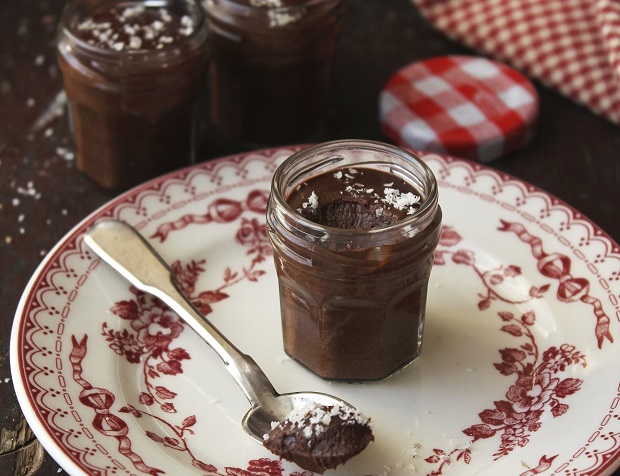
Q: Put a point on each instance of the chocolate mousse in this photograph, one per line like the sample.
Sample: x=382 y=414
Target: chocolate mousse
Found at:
x=351 y=198
x=353 y=226
x=318 y=437
x=134 y=28
x=134 y=74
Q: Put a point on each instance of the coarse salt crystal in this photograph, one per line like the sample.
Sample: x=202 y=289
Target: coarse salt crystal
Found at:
x=104 y=36
x=165 y=16
x=135 y=42
x=406 y=200
x=314 y=418
x=87 y=24
x=132 y=11
x=313 y=201
x=401 y=201
x=187 y=21
x=28 y=191
x=283 y=17
x=65 y=153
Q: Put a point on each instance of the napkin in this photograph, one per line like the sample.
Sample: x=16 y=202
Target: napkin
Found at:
x=571 y=46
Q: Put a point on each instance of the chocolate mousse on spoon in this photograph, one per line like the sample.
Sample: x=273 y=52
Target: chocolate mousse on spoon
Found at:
x=316 y=431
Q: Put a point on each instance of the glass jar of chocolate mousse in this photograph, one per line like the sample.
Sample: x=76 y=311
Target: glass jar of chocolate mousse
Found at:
x=353 y=226
x=135 y=77
x=269 y=74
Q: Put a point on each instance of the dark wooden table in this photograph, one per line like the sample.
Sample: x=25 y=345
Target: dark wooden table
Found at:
x=575 y=155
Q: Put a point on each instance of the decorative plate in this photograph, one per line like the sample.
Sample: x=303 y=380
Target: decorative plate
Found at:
x=519 y=374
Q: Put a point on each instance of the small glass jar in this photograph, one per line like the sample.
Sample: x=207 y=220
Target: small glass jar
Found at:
x=136 y=111
x=353 y=301
x=269 y=75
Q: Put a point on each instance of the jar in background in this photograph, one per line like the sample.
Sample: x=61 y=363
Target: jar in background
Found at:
x=135 y=76
x=353 y=300
x=269 y=74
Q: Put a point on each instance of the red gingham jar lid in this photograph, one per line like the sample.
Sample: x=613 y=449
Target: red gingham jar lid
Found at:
x=465 y=106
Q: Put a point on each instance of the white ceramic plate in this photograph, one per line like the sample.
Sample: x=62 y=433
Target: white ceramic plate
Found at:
x=519 y=374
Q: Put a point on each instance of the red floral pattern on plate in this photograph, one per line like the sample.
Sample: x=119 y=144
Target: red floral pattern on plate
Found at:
x=92 y=427
x=154 y=327
x=537 y=386
x=570 y=289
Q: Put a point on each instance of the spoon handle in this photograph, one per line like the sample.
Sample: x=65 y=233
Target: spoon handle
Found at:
x=122 y=247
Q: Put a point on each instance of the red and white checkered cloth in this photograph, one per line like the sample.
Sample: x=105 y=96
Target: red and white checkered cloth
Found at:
x=465 y=106
x=572 y=46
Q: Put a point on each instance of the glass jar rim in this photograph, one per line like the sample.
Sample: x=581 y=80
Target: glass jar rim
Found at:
x=275 y=18
x=244 y=5
x=67 y=27
x=427 y=208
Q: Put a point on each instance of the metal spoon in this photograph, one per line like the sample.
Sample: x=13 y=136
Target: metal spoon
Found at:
x=122 y=247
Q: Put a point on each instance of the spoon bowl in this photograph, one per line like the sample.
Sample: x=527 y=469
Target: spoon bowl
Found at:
x=258 y=421
x=123 y=248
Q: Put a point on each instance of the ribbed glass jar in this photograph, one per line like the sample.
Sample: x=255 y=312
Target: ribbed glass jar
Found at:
x=353 y=301
x=135 y=112
x=269 y=76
